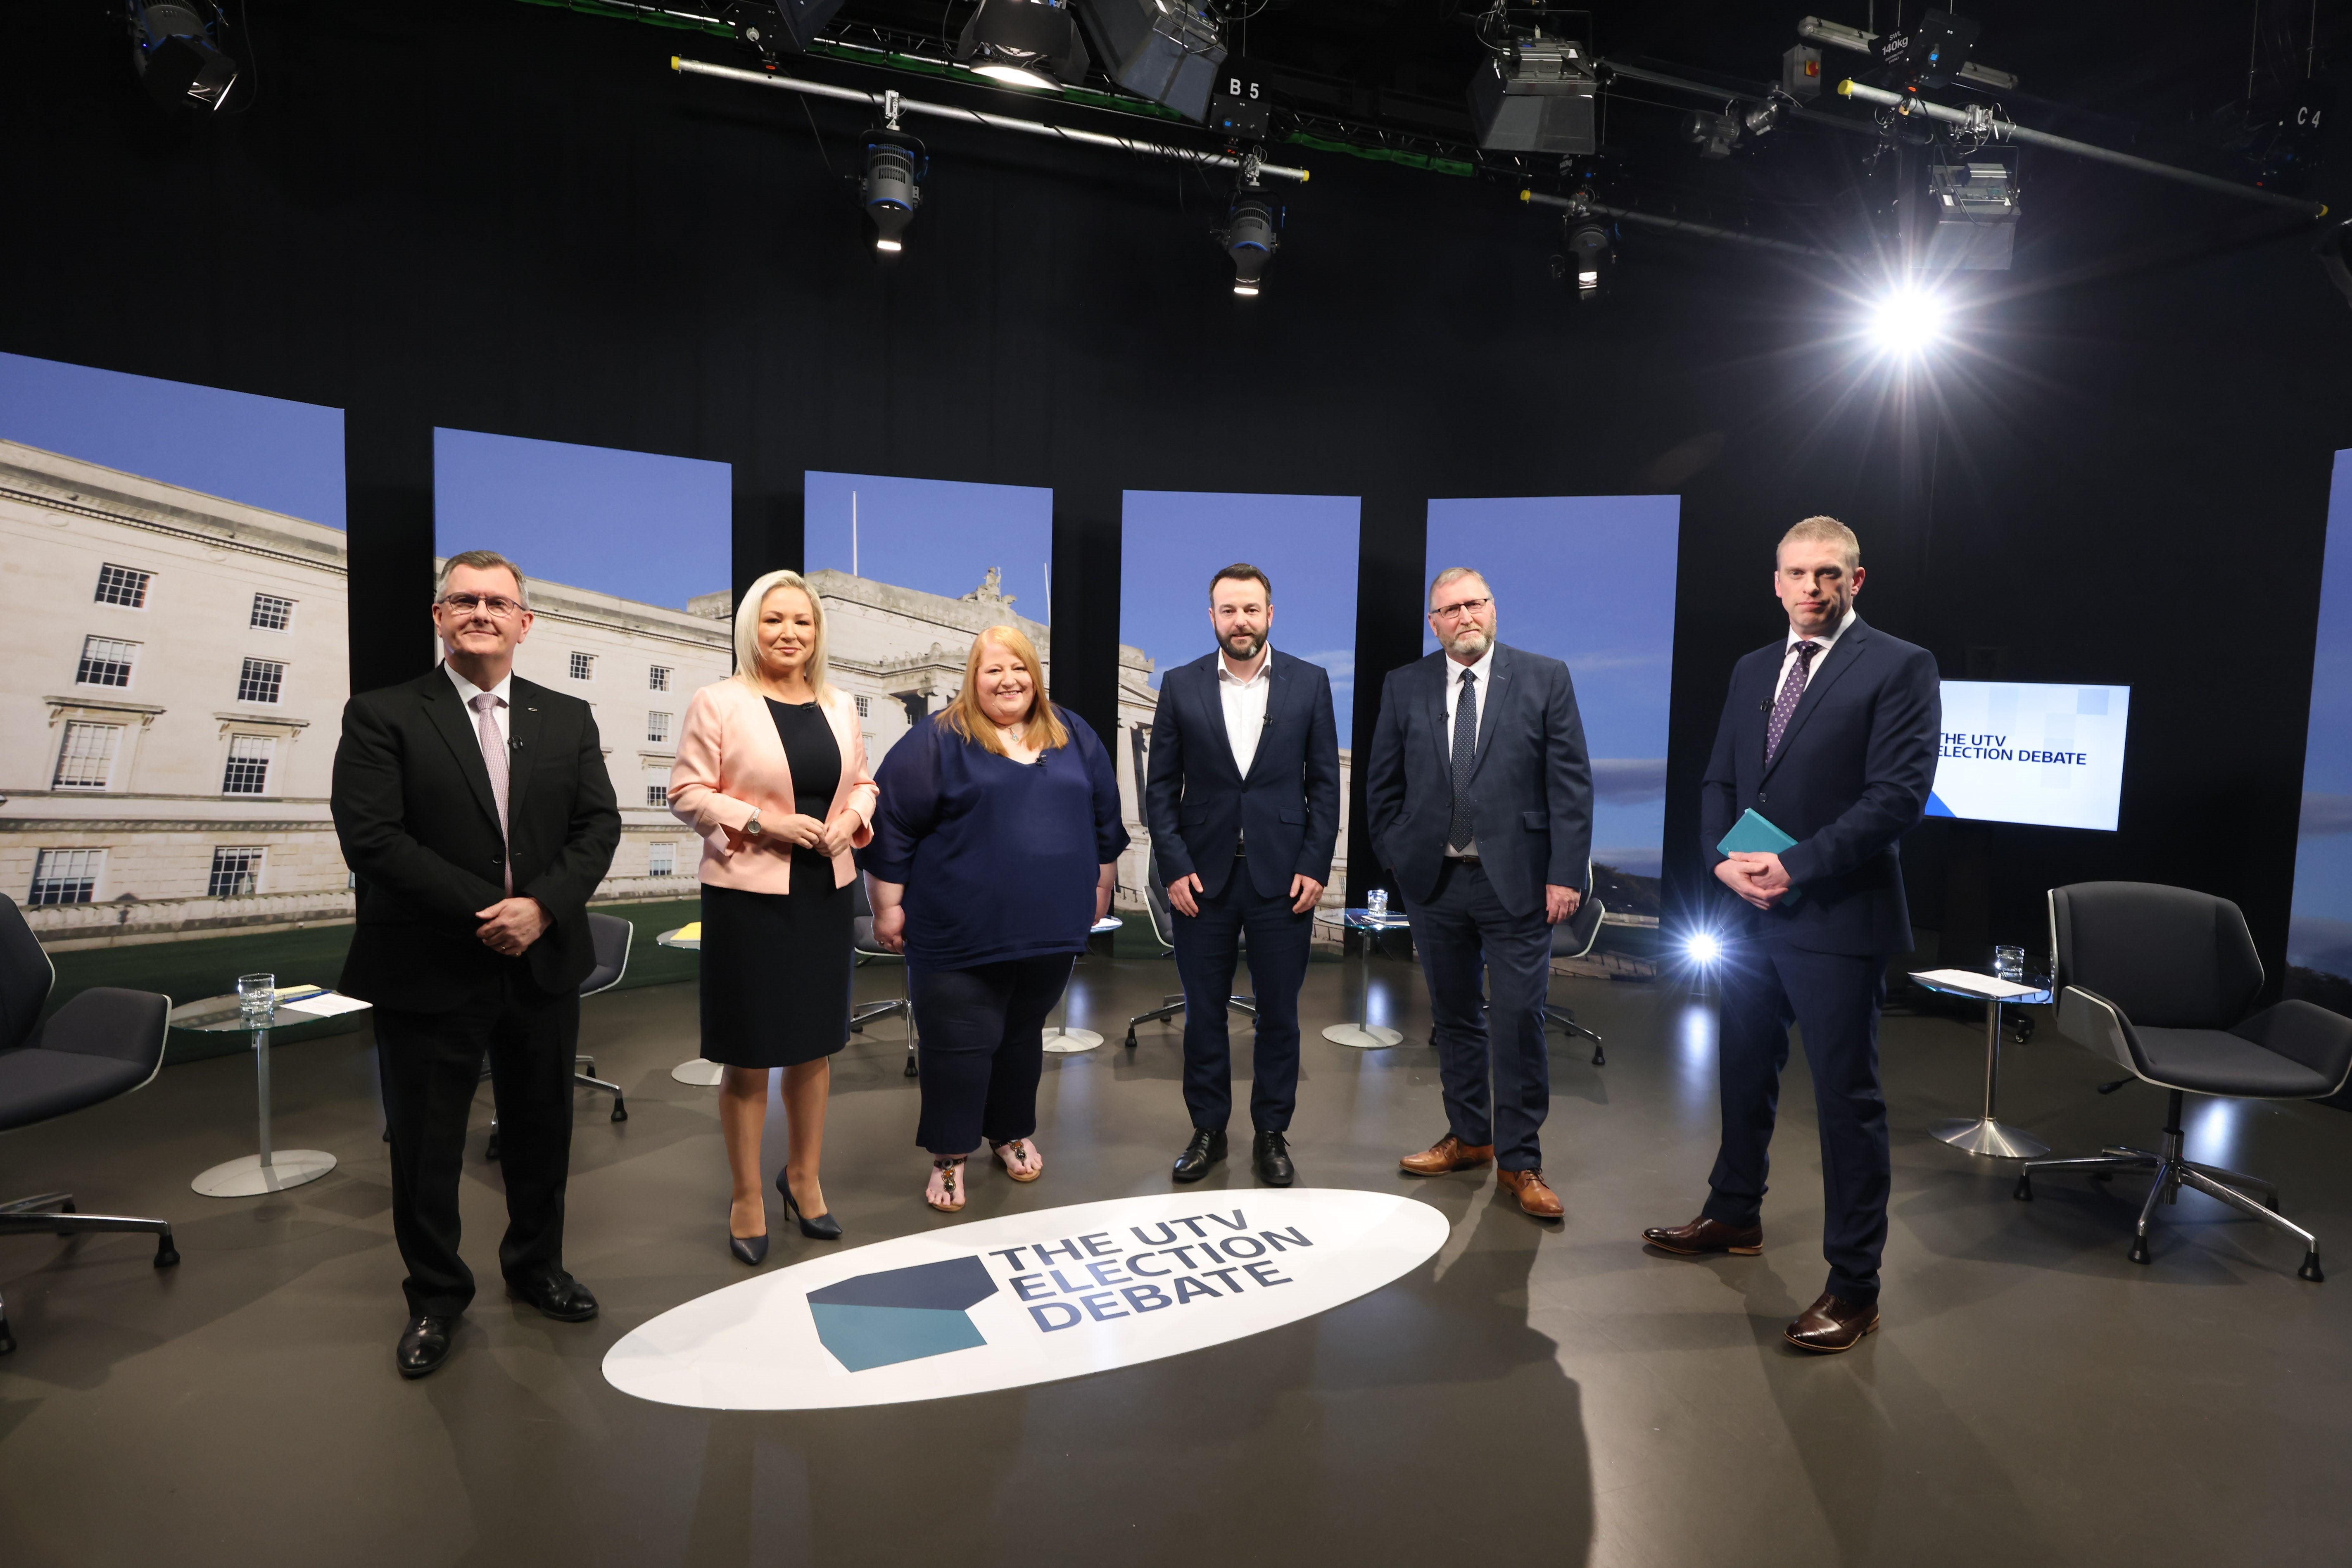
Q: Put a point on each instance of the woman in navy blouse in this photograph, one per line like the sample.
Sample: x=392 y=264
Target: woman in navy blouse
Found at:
x=995 y=846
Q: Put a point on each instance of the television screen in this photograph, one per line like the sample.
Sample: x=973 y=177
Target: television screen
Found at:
x=2017 y=752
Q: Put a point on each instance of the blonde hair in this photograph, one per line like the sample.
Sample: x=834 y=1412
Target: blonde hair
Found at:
x=747 y=630
x=1824 y=531
x=967 y=718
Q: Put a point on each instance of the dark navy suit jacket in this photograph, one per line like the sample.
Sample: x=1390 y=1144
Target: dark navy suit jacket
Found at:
x=1530 y=793
x=1198 y=804
x=1852 y=777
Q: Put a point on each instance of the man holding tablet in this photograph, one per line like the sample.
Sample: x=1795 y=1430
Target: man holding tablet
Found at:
x=1829 y=734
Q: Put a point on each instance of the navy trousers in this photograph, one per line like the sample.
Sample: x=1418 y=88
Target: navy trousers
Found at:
x=1490 y=1058
x=1208 y=949
x=1833 y=998
x=983 y=1049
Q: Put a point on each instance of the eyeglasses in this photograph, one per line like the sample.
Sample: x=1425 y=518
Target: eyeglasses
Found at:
x=498 y=605
x=1456 y=612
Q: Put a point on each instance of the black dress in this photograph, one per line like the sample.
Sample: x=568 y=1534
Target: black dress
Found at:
x=776 y=966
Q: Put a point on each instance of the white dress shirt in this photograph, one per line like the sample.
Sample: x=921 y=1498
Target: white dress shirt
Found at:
x=467 y=691
x=1454 y=670
x=1788 y=653
x=1245 y=700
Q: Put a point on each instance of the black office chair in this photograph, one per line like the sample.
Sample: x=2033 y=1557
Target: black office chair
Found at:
x=861 y=940
x=615 y=938
x=2160 y=979
x=1163 y=932
x=105 y=1042
x=1573 y=937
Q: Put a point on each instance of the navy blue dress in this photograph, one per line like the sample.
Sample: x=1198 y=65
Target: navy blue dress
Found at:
x=1000 y=858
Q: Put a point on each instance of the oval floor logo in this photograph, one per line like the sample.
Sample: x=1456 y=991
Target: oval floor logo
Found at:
x=1024 y=1299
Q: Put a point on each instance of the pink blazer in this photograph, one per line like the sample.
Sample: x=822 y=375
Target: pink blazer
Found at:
x=731 y=760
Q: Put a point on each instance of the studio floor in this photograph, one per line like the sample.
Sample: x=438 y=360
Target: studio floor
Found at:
x=1534 y=1394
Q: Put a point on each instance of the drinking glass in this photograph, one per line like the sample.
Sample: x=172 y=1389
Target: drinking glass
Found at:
x=2008 y=963
x=1376 y=903
x=257 y=994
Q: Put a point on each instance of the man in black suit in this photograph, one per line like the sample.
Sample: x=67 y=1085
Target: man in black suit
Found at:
x=1830 y=733
x=1244 y=807
x=476 y=814
x=1481 y=805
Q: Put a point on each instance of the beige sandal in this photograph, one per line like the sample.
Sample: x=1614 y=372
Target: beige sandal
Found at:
x=1021 y=1158
x=945 y=1192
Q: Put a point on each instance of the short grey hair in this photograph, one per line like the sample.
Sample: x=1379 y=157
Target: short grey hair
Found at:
x=1454 y=574
x=481 y=561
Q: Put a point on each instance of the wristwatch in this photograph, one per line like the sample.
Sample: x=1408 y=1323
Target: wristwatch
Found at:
x=752 y=826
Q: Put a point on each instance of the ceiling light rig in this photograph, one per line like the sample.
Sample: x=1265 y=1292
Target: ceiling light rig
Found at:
x=176 y=49
x=892 y=189
x=1253 y=230
x=1024 y=43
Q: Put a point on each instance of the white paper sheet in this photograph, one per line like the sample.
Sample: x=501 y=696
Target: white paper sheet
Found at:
x=327 y=1005
x=1974 y=983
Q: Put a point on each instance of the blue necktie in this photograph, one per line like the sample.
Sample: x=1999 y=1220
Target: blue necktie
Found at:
x=1465 y=752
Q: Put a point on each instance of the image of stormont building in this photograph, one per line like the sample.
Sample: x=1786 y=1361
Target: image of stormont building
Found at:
x=175 y=664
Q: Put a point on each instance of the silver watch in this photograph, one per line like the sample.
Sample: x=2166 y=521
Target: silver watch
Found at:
x=752 y=826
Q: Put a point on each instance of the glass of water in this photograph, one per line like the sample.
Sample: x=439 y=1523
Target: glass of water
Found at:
x=1376 y=903
x=2008 y=963
x=257 y=994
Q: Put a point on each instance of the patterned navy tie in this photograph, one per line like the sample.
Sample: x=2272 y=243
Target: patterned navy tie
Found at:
x=1465 y=752
x=1791 y=689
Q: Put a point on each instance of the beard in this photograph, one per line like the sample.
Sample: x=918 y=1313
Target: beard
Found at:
x=1245 y=645
x=1470 y=641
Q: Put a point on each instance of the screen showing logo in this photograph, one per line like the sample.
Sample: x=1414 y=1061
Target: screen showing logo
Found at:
x=2012 y=752
x=1025 y=1298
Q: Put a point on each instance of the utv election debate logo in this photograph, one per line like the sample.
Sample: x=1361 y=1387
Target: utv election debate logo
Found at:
x=1025 y=1298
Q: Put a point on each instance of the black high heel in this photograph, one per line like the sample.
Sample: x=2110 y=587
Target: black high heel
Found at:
x=752 y=1250
x=823 y=1227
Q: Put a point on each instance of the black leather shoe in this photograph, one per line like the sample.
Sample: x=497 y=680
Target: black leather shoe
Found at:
x=748 y=1249
x=565 y=1299
x=1205 y=1149
x=816 y=1227
x=424 y=1346
x=1272 y=1157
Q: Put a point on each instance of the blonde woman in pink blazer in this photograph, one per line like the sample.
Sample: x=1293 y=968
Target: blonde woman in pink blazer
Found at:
x=771 y=772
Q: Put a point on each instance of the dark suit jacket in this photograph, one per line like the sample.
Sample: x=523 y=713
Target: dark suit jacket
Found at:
x=419 y=826
x=1197 y=803
x=1852 y=777
x=1530 y=795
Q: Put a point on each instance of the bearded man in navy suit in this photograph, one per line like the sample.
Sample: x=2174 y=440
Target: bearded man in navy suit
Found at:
x=1830 y=733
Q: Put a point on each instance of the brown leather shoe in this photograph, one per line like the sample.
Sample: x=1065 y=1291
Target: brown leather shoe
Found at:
x=1704 y=1235
x=1448 y=1153
x=1831 y=1323
x=1535 y=1197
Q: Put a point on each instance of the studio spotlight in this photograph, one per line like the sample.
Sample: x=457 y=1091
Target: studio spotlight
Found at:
x=779 y=27
x=892 y=189
x=1166 y=50
x=176 y=46
x=1253 y=232
x=1024 y=43
x=1589 y=253
x=1907 y=321
x=1535 y=94
x=1703 y=948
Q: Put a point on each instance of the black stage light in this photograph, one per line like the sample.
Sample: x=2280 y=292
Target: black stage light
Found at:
x=1588 y=254
x=1975 y=216
x=176 y=49
x=1252 y=233
x=1024 y=43
x=776 y=26
x=1535 y=96
x=892 y=189
x=1713 y=133
x=1165 y=51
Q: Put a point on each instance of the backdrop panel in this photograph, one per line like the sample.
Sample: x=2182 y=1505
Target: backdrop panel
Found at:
x=2319 y=934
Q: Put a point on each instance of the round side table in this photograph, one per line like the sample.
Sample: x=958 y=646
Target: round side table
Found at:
x=1063 y=1041
x=699 y=1072
x=1365 y=1035
x=271 y=1170
x=1986 y=1134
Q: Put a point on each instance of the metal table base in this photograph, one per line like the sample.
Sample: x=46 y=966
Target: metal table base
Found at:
x=271 y=1171
x=1986 y=1134
x=1364 y=1035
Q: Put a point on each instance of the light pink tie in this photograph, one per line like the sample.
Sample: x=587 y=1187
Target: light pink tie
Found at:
x=494 y=758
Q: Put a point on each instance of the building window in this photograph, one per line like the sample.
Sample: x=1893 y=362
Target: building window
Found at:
x=656 y=726
x=272 y=614
x=123 y=585
x=661 y=860
x=261 y=680
x=657 y=677
x=865 y=707
x=105 y=661
x=248 y=765
x=657 y=794
x=66 y=876
x=86 y=760
x=236 y=874
x=583 y=667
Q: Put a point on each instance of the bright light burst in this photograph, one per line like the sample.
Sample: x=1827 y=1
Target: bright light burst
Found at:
x=1908 y=322
x=1704 y=947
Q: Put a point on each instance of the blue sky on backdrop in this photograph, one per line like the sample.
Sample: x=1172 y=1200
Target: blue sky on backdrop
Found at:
x=653 y=529
x=2321 y=934
x=263 y=451
x=1591 y=579
x=937 y=536
x=1171 y=541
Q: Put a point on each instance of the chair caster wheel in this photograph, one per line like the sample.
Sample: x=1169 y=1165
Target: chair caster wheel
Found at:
x=2138 y=1253
x=8 y=1341
x=387 y=1134
x=166 y=1255
x=490 y=1149
x=911 y=1068
x=1600 y=1058
x=1130 y=1039
x=2310 y=1270
x=2024 y=1192
x=620 y=1109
